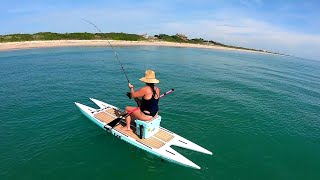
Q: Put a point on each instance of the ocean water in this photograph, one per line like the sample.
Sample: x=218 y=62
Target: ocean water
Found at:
x=257 y=113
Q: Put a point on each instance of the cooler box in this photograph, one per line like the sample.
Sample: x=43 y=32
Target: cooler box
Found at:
x=146 y=129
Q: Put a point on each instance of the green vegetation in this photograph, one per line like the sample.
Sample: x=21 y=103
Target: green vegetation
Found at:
x=69 y=36
x=168 y=38
x=178 y=38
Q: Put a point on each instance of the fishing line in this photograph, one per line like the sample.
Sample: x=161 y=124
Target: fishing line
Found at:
x=115 y=53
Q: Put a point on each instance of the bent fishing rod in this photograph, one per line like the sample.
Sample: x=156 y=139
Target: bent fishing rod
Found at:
x=115 y=53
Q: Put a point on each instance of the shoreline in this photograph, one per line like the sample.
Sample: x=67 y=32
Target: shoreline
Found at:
x=8 y=46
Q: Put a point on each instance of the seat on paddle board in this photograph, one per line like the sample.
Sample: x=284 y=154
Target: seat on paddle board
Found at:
x=146 y=129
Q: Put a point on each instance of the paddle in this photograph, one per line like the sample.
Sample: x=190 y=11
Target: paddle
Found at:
x=114 y=122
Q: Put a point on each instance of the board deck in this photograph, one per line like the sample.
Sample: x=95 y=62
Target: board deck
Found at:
x=157 y=141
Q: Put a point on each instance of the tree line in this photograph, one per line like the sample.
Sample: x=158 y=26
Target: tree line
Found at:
x=179 y=38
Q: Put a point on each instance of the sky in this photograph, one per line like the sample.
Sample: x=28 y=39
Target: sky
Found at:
x=285 y=26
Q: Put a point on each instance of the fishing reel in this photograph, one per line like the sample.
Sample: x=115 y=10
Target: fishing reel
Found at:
x=137 y=100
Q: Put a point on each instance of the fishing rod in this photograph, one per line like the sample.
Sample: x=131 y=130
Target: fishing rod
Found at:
x=115 y=53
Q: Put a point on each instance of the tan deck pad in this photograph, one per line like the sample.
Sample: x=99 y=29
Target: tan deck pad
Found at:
x=110 y=114
x=164 y=136
x=102 y=116
x=115 y=112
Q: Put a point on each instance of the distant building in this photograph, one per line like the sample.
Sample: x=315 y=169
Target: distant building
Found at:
x=182 y=36
x=145 y=35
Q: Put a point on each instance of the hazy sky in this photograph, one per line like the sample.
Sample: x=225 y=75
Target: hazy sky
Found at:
x=285 y=26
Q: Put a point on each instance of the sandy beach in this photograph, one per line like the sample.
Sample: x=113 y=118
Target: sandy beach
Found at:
x=69 y=43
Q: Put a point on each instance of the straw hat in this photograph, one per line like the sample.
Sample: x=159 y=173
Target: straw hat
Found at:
x=149 y=77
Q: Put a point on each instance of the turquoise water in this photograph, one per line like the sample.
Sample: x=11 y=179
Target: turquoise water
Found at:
x=259 y=114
